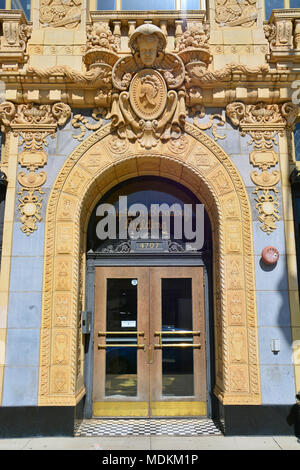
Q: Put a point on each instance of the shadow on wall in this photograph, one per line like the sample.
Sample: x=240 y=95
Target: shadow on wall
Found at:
x=290 y=329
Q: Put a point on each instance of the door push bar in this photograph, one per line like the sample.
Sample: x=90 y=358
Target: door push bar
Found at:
x=177 y=345
x=118 y=333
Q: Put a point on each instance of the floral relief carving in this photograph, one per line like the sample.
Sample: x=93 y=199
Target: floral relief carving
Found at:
x=196 y=36
x=100 y=35
x=58 y=13
x=236 y=12
x=30 y=209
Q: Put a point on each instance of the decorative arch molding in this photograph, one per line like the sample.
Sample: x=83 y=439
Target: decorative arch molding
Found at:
x=95 y=166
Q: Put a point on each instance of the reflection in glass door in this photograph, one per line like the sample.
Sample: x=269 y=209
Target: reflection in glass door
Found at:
x=178 y=375
x=149 y=356
x=120 y=382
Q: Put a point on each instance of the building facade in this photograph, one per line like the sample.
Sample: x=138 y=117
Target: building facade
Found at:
x=195 y=104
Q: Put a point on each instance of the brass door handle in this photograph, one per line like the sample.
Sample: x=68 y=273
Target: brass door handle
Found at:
x=104 y=346
x=177 y=345
x=105 y=333
x=120 y=345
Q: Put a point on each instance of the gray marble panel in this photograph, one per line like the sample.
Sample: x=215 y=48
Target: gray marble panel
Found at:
x=22 y=347
x=277 y=384
x=24 y=310
x=20 y=387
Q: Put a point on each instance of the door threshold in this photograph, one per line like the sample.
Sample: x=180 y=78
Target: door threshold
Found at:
x=117 y=427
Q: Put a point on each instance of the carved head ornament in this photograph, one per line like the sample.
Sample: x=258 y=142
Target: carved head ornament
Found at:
x=148 y=41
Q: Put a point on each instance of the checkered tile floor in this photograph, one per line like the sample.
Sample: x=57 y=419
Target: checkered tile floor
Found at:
x=147 y=427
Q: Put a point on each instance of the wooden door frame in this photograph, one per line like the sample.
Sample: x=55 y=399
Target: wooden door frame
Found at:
x=95 y=260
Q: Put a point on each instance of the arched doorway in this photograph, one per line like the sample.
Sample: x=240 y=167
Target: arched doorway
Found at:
x=150 y=303
x=96 y=166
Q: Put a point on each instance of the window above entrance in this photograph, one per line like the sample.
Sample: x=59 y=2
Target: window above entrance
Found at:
x=279 y=4
x=127 y=5
x=149 y=215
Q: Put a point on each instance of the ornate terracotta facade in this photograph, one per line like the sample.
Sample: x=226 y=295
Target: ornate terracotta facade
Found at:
x=95 y=99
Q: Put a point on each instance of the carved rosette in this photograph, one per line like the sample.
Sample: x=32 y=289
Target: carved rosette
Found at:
x=263 y=122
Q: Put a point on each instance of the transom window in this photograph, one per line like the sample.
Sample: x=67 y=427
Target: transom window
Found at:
x=127 y=5
x=24 y=5
x=149 y=191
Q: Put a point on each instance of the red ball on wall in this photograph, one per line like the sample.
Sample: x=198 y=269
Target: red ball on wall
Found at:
x=270 y=255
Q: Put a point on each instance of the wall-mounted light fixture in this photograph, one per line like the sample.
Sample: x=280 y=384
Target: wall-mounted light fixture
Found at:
x=275 y=346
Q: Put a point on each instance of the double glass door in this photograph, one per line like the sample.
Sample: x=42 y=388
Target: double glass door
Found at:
x=149 y=342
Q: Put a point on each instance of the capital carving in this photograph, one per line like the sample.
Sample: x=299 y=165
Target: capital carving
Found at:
x=280 y=34
x=19 y=117
x=262 y=116
x=13 y=43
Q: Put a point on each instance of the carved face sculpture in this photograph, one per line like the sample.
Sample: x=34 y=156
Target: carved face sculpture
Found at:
x=148 y=48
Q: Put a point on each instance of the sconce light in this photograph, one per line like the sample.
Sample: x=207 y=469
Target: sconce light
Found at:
x=275 y=346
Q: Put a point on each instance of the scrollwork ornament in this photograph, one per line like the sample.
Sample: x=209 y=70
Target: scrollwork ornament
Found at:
x=30 y=207
x=267 y=206
x=83 y=123
x=199 y=114
x=7 y=113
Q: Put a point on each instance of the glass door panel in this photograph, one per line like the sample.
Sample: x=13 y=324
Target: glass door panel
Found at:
x=149 y=342
x=121 y=338
x=121 y=325
x=178 y=375
x=177 y=323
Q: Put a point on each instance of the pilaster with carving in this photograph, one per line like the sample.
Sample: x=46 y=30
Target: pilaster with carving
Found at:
x=283 y=34
x=33 y=123
x=16 y=32
x=263 y=122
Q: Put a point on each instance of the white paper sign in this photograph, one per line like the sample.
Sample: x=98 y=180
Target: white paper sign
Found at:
x=128 y=324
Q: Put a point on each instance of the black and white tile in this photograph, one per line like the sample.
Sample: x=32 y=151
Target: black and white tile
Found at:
x=147 y=427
